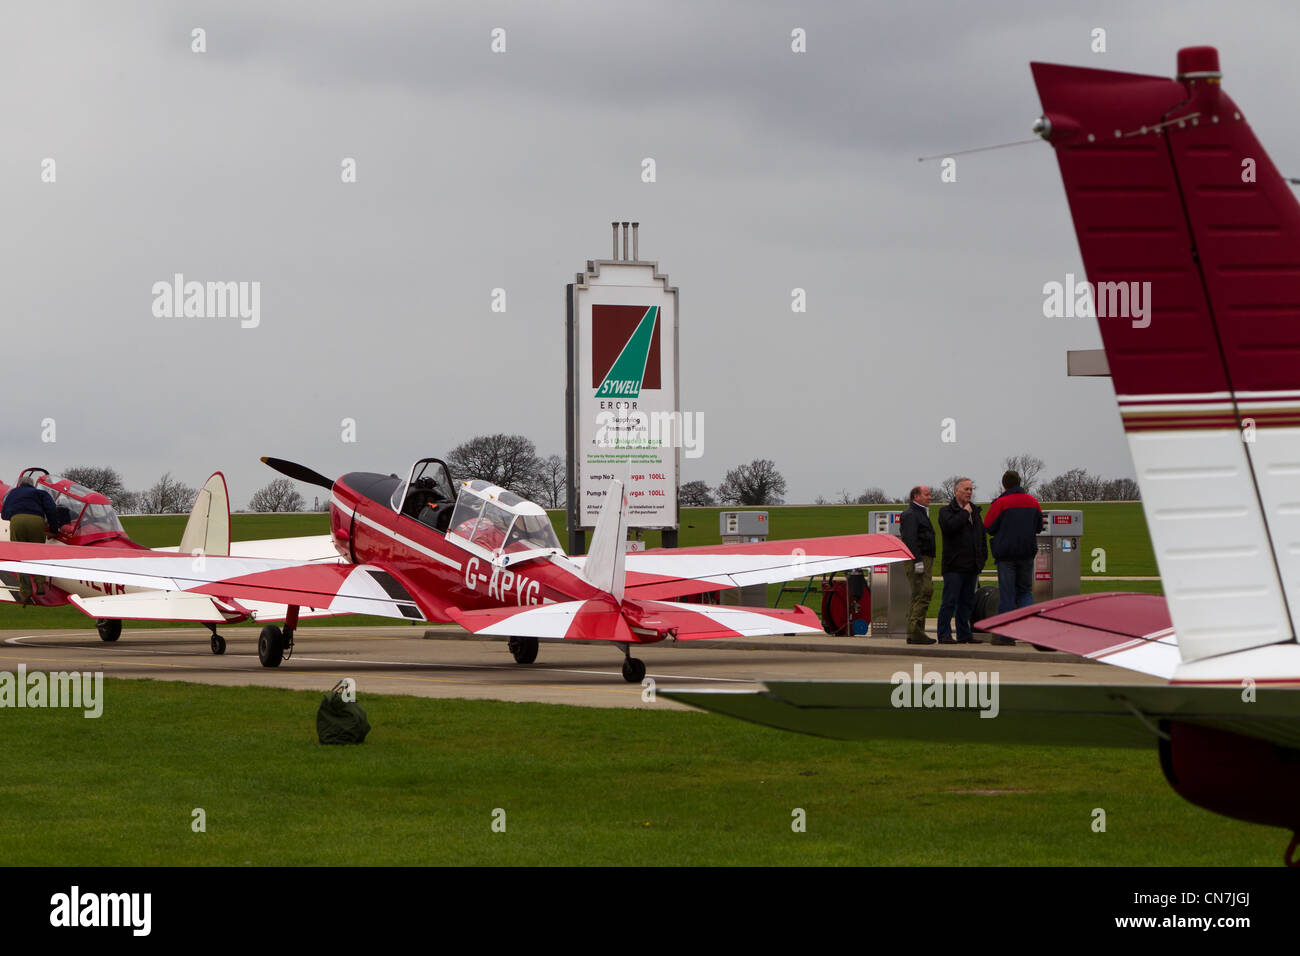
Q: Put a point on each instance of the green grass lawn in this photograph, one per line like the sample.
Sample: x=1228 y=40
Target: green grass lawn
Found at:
x=578 y=786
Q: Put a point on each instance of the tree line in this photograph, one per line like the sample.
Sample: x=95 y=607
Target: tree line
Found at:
x=1077 y=484
x=512 y=462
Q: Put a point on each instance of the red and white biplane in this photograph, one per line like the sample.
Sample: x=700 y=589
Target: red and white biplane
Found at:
x=424 y=548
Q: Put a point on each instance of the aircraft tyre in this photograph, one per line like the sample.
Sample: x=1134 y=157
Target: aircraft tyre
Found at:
x=110 y=629
x=218 y=644
x=524 y=649
x=270 y=646
x=633 y=670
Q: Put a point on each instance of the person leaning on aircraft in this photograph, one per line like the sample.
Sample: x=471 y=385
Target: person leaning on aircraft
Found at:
x=918 y=534
x=29 y=511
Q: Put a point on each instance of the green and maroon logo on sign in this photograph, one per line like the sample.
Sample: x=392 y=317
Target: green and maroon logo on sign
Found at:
x=624 y=350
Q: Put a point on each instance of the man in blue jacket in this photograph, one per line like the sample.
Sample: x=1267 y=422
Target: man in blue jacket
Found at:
x=28 y=509
x=1014 y=520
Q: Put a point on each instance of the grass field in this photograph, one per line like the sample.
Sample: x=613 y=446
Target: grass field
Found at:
x=578 y=786
x=1119 y=528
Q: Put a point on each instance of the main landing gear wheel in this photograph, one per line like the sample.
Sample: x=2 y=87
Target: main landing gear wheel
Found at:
x=109 y=629
x=633 y=670
x=524 y=649
x=218 y=643
x=270 y=646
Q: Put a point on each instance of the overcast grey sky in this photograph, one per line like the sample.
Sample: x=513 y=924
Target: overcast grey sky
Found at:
x=476 y=170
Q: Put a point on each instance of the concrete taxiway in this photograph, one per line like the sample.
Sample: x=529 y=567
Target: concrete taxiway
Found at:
x=445 y=661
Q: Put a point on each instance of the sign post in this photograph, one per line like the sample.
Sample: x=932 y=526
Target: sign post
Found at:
x=622 y=412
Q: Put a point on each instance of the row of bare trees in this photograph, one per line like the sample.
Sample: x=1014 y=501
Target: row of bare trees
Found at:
x=169 y=496
x=1077 y=484
x=512 y=462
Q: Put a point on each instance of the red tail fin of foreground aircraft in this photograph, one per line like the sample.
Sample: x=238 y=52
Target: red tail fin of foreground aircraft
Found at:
x=1175 y=205
x=1191 y=239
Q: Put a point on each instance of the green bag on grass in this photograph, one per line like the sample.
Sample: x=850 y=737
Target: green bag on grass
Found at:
x=340 y=721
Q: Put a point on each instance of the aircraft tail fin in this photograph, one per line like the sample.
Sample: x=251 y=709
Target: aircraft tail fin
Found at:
x=208 y=528
x=607 y=557
x=1191 y=243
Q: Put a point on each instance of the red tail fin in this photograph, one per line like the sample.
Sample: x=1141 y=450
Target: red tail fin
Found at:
x=1167 y=185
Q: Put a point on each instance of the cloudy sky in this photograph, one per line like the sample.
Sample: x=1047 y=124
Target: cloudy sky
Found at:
x=478 y=170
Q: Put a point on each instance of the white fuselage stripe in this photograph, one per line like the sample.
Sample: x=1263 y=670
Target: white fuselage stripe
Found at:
x=399 y=538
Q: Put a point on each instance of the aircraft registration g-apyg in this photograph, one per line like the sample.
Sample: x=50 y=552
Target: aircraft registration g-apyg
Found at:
x=426 y=548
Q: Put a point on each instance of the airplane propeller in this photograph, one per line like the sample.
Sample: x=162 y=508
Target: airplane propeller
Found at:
x=299 y=472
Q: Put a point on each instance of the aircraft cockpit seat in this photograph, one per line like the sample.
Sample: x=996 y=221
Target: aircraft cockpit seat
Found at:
x=423 y=494
x=437 y=515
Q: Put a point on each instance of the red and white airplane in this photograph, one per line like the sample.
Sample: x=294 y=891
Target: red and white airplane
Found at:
x=423 y=548
x=1167 y=184
x=88 y=520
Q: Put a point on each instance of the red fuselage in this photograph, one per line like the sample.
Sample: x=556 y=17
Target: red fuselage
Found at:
x=436 y=571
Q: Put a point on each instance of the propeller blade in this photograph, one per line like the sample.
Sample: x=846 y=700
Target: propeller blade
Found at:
x=299 y=472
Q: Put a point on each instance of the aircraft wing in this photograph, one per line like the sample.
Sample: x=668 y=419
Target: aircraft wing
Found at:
x=336 y=588
x=1128 y=630
x=676 y=572
x=314 y=548
x=602 y=619
x=184 y=606
x=1046 y=714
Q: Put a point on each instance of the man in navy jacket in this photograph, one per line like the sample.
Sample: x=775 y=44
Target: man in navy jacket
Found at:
x=1014 y=520
x=29 y=511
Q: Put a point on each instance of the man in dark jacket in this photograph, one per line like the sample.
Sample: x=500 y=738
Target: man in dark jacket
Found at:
x=964 y=554
x=918 y=534
x=28 y=509
x=1015 y=518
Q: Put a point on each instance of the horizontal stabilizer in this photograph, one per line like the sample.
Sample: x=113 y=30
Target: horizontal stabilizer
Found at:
x=638 y=622
x=677 y=572
x=1039 y=714
x=700 y=622
x=598 y=619
x=1128 y=630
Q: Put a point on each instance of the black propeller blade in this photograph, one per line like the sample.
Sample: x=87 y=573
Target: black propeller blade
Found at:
x=299 y=472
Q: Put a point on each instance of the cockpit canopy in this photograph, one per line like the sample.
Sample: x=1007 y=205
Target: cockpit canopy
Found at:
x=499 y=523
x=84 y=514
x=427 y=487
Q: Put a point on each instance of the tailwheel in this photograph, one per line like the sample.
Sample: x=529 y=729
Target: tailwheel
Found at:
x=524 y=649
x=633 y=670
x=109 y=629
x=270 y=646
x=218 y=643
